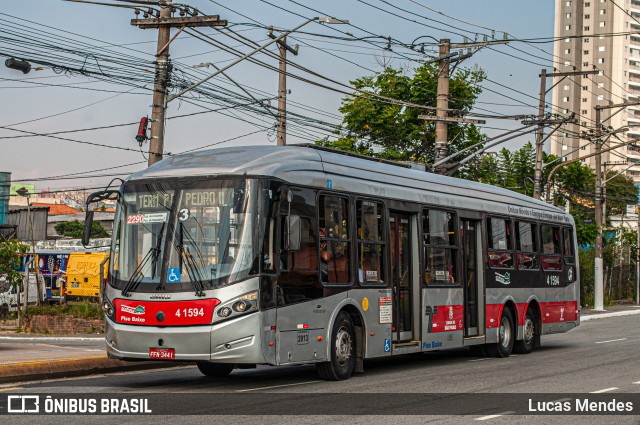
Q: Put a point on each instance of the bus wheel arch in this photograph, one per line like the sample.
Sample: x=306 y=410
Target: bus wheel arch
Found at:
x=345 y=346
x=506 y=332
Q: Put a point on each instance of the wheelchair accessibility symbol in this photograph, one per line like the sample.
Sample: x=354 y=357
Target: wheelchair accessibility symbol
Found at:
x=174 y=275
x=387 y=345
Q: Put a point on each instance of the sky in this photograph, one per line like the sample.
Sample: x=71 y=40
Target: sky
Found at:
x=54 y=100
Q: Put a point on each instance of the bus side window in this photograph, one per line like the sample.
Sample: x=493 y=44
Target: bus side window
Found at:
x=440 y=247
x=551 y=247
x=527 y=257
x=568 y=249
x=499 y=243
x=371 y=243
x=335 y=242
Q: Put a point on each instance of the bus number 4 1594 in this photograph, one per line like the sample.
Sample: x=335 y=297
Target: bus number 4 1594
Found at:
x=190 y=312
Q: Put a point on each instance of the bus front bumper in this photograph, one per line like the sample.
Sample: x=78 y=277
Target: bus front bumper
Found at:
x=235 y=341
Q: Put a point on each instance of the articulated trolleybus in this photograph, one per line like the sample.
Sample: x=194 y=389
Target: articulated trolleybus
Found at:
x=287 y=255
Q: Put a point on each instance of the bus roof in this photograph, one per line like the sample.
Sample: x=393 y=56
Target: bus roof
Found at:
x=334 y=171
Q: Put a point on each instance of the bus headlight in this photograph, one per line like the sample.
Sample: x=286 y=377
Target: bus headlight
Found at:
x=243 y=304
x=108 y=308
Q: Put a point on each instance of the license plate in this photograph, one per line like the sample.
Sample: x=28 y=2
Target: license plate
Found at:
x=303 y=337
x=162 y=353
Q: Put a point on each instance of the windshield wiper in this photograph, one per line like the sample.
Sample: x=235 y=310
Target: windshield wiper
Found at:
x=153 y=254
x=192 y=270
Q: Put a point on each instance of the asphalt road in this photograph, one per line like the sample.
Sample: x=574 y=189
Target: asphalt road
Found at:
x=600 y=356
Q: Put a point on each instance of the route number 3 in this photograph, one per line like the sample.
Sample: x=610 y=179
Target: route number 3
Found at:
x=183 y=214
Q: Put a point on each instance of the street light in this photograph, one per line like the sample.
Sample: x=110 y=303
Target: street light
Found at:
x=320 y=19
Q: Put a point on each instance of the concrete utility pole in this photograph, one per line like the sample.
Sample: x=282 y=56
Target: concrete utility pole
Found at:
x=638 y=257
x=282 y=88
x=164 y=23
x=598 y=293
x=442 y=102
x=537 y=177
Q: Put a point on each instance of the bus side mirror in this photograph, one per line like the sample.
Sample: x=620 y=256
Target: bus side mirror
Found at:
x=292 y=230
x=86 y=232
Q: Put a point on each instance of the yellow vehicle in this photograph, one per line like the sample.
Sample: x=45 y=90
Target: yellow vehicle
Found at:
x=83 y=274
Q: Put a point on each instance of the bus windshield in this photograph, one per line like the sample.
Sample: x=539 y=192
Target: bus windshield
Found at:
x=185 y=236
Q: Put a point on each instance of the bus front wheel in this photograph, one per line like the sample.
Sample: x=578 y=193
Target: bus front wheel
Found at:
x=342 y=350
x=215 y=370
x=506 y=336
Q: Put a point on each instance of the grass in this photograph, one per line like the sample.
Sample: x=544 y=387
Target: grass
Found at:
x=81 y=311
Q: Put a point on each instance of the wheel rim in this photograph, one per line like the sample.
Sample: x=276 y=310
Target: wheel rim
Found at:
x=343 y=346
x=528 y=330
x=505 y=332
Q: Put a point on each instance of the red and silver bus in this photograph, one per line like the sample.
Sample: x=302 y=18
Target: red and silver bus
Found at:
x=287 y=255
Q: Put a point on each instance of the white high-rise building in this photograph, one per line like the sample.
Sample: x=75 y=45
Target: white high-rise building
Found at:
x=596 y=34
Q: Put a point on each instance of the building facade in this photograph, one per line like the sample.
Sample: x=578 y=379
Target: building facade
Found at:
x=598 y=35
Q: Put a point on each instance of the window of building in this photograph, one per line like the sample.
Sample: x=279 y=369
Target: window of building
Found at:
x=526 y=246
x=568 y=3
x=587 y=4
x=585 y=63
x=601 y=25
x=567 y=63
x=601 y=85
x=567 y=51
x=499 y=243
x=601 y=37
x=584 y=112
x=600 y=60
x=583 y=123
x=600 y=97
x=585 y=88
x=565 y=87
x=440 y=247
x=603 y=11
x=587 y=16
x=567 y=27
x=601 y=48
x=551 y=247
x=334 y=240
x=584 y=99
x=567 y=40
x=566 y=111
x=568 y=15
x=565 y=99
x=586 y=28
x=585 y=40
x=371 y=243
x=585 y=52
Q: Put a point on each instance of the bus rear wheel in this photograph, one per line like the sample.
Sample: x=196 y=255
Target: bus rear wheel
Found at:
x=506 y=336
x=525 y=346
x=215 y=370
x=342 y=350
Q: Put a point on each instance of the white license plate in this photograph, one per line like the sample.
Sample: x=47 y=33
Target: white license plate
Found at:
x=303 y=337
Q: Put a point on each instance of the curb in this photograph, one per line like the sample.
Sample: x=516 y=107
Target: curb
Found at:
x=593 y=316
x=50 y=369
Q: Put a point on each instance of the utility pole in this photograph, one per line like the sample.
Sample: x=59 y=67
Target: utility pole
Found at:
x=537 y=177
x=442 y=102
x=164 y=22
x=282 y=88
x=598 y=292
x=638 y=257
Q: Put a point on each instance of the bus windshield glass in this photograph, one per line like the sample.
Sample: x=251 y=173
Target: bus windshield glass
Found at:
x=186 y=236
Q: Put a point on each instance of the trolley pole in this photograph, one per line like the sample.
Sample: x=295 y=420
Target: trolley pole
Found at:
x=442 y=102
x=598 y=303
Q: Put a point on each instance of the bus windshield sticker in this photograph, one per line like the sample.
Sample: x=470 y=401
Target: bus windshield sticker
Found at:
x=173 y=275
x=386 y=313
x=147 y=218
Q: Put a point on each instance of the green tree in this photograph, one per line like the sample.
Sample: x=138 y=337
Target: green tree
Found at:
x=394 y=131
x=621 y=191
x=73 y=229
x=10 y=261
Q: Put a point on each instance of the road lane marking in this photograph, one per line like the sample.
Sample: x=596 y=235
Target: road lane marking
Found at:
x=611 y=340
x=497 y=415
x=637 y=382
x=11 y=388
x=278 y=386
x=606 y=390
x=479 y=360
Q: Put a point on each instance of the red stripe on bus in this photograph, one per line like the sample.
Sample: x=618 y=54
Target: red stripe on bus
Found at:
x=552 y=312
x=448 y=318
x=165 y=313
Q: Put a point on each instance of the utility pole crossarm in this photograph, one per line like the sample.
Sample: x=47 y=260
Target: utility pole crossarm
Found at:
x=189 y=22
x=450 y=119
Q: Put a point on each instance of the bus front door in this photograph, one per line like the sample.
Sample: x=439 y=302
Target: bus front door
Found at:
x=402 y=225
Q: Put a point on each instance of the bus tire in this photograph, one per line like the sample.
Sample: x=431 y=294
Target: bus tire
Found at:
x=215 y=370
x=525 y=346
x=342 y=350
x=4 y=311
x=506 y=336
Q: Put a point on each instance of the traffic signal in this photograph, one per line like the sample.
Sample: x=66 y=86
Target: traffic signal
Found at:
x=18 y=64
x=142 y=130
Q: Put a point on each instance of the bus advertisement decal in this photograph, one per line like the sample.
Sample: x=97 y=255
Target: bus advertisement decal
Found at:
x=448 y=318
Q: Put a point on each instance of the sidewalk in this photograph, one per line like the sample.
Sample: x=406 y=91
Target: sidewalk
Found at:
x=589 y=313
x=36 y=357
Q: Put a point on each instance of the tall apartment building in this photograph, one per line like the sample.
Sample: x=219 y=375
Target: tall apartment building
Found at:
x=596 y=33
